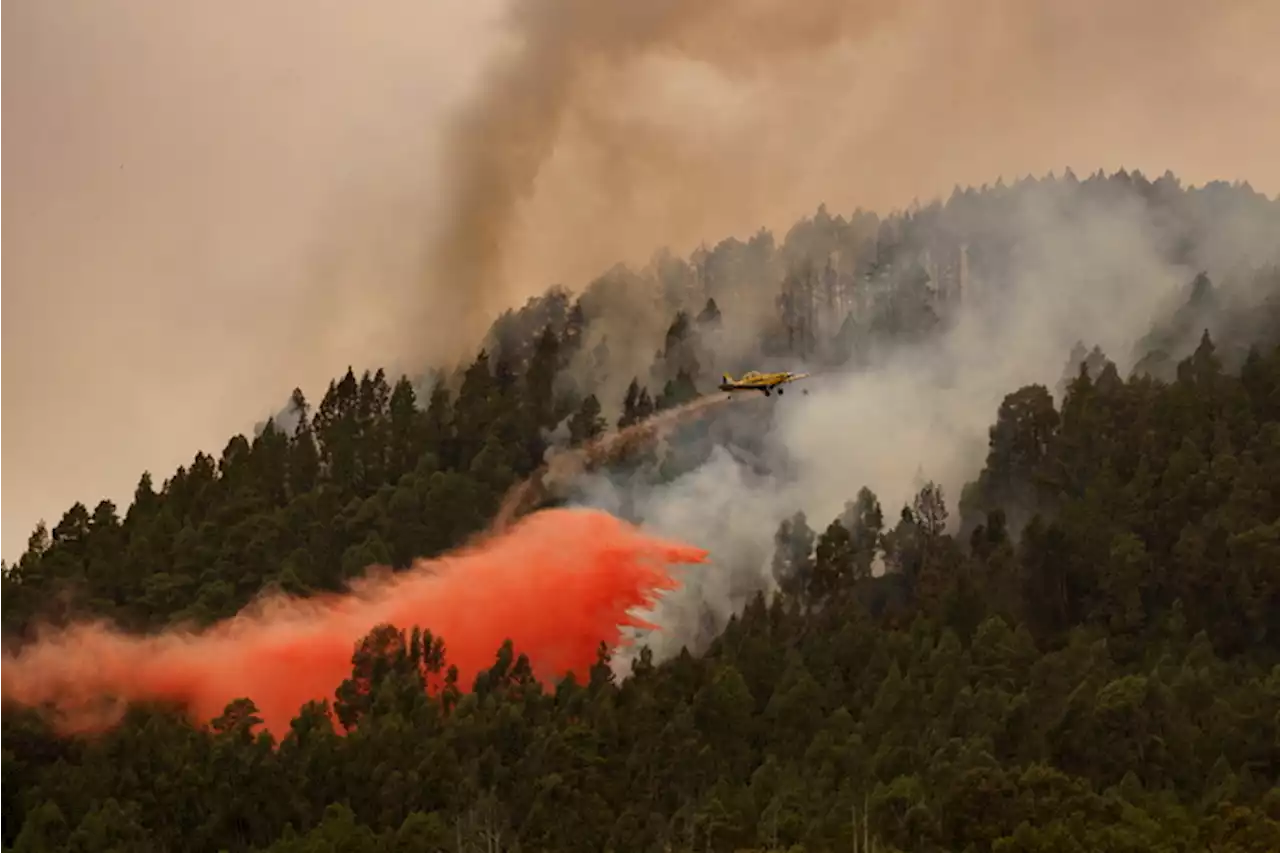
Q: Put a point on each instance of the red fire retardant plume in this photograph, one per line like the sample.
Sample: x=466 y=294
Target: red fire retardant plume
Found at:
x=557 y=584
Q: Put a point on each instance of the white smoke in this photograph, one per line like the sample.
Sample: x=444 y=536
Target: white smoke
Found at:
x=1095 y=273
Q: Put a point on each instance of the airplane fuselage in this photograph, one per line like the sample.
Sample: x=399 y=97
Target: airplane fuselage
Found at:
x=765 y=383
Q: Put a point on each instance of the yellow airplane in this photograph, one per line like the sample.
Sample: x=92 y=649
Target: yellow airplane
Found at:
x=766 y=383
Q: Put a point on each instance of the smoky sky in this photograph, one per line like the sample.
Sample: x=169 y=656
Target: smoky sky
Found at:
x=208 y=204
x=612 y=128
x=205 y=205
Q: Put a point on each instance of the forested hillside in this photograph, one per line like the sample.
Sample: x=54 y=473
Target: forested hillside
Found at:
x=1079 y=652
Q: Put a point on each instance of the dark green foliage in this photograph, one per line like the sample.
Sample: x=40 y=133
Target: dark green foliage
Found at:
x=1091 y=663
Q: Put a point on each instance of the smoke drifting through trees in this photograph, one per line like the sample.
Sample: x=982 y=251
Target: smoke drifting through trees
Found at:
x=610 y=128
x=928 y=352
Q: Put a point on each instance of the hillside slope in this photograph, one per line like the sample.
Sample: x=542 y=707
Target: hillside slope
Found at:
x=1089 y=659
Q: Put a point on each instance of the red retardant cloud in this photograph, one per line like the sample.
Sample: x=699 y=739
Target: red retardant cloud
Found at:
x=557 y=584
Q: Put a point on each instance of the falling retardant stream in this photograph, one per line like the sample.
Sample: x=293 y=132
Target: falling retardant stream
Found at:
x=557 y=583
x=565 y=466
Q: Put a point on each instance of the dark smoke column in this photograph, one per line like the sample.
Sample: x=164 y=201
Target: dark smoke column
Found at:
x=500 y=144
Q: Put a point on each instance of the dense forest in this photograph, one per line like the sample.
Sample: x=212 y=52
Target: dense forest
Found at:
x=1079 y=652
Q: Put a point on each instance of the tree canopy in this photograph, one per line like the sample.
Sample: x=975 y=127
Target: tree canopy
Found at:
x=1082 y=652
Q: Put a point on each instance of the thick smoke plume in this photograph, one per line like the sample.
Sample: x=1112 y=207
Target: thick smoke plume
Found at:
x=609 y=128
x=558 y=583
x=564 y=48
x=1088 y=265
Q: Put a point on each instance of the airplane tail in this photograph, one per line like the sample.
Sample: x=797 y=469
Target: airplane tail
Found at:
x=728 y=380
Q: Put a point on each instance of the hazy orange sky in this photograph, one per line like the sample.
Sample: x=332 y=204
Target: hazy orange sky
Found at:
x=207 y=204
